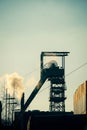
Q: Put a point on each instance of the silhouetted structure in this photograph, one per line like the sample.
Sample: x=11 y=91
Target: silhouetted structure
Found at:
x=22 y=101
x=57 y=118
x=37 y=120
x=9 y=107
x=56 y=76
x=0 y=111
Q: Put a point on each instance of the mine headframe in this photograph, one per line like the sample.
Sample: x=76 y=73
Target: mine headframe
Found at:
x=56 y=76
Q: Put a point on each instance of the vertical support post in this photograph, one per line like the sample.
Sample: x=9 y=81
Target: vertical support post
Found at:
x=22 y=101
x=63 y=65
x=9 y=108
x=50 y=106
x=6 y=106
x=41 y=61
x=0 y=112
x=41 y=65
x=63 y=94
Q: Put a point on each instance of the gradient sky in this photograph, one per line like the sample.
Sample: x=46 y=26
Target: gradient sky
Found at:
x=28 y=27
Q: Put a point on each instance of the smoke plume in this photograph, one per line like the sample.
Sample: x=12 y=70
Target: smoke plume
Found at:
x=14 y=85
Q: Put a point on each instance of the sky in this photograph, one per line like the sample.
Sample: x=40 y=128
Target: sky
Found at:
x=28 y=27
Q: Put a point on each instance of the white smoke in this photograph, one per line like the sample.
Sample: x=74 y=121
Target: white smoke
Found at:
x=14 y=85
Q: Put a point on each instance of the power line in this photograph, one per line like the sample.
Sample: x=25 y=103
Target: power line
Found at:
x=69 y=74
x=44 y=89
x=31 y=71
x=76 y=69
x=65 y=75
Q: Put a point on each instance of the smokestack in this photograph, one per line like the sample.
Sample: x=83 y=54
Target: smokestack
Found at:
x=22 y=101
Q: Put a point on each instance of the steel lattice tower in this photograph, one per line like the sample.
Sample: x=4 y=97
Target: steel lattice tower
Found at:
x=57 y=82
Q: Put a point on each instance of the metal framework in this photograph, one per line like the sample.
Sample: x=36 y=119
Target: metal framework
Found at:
x=56 y=75
x=57 y=82
x=9 y=104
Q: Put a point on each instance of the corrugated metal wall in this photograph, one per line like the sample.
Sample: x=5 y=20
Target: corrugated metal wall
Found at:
x=80 y=99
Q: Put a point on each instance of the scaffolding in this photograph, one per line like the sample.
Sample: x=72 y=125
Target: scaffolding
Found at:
x=9 y=104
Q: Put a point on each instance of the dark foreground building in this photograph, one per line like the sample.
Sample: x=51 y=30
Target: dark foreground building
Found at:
x=50 y=120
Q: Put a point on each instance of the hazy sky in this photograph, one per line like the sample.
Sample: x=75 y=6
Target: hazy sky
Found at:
x=28 y=27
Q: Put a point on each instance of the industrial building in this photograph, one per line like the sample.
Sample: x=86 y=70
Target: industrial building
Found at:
x=56 y=118
x=80 y=99
x=39 y=120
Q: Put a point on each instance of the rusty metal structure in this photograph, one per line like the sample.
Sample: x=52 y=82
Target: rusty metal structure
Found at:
x=80 y=99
